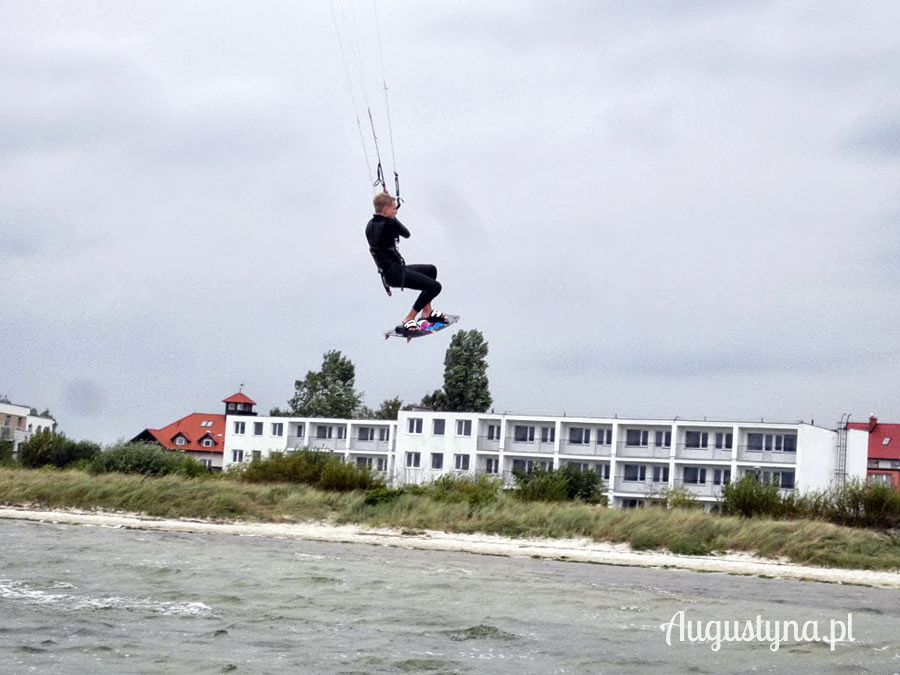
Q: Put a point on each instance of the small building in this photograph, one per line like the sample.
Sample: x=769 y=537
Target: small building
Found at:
x=200 y=435
x=883 y=451
x=18 y=423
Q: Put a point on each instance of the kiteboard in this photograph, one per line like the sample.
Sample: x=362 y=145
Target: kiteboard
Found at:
x=425 y=328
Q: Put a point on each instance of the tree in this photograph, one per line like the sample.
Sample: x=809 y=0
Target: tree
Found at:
x=328 y=392
x=389 y=409
x=47 y=447
x=465 y=374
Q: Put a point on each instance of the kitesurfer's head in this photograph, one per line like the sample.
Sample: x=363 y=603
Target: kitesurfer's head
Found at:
x=385 y=205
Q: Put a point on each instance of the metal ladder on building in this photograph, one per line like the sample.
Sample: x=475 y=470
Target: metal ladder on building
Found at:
x=840 y=471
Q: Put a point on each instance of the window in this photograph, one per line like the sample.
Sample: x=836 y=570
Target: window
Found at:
x=415 y=425
x=298 y=431
x=237 y=455
x=777 y=442
x=257 y=428
x=663 y=439
x=381 y=464
x=463 y=427
x=723 y=440
x=784 y=479
x=635 y=472
x=493 y=432
x=241 y=406
x=363 y=462
x=206 y=423
x=880 y=479
x=366 y=434
x=207 y=463
x=696 y=439
x=323 y=431
x=437 y=460
x=604 y=436
x=636 y=437
x=523 y=434
x=461 y=462
x=660 y=474
x=492 y=465
x=548 y=434
x=256 y=455
x=342 y=432
x=603 y=470
x=413 y=459
x=579 y=435
x=694 y=475
x=526 y=465
x=886 y=441
x=181 y=440
x=438 y=428
x=207 y=442
x=240 y=427
x=790 y=443
x=384 y=434
x=580 y=466
x=721 y=476
x=278 y=428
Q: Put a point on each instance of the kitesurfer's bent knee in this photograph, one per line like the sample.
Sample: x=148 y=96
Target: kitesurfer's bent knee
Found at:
x=416 y=277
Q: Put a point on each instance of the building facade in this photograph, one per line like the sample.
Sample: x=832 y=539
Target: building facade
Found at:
x=884 y=451
x=18 y=424
x=638 y=459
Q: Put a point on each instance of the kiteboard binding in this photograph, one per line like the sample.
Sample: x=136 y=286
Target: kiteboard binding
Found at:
x=425 y=327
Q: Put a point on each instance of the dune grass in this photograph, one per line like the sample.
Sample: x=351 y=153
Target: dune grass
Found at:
x=688 y=531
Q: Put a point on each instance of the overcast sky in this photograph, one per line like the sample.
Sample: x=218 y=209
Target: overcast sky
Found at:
x=649 y=208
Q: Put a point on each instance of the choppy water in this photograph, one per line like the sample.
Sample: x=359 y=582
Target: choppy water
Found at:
x=81 y=599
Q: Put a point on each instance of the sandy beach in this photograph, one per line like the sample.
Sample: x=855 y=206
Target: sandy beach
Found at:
x=574 y=550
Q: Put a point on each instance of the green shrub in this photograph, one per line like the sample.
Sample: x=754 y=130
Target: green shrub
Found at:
x=319 y=469
x=556 y=485
x=859 y=504
x=382 y=495
x=748 y=497
x=6 y=453
x=147 y=459
x=47 y=448
x=477 y=491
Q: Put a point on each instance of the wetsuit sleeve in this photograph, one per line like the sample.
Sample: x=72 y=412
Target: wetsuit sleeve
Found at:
x=400 y=229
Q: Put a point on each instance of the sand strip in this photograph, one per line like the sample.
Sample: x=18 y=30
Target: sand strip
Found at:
x=575 y=550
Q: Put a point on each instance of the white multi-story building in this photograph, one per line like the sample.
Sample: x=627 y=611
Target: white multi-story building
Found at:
x=637 y=459
x=17 y=424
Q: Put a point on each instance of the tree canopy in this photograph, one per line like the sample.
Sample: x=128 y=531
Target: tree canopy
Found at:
x=465 y=376
x=328 y=392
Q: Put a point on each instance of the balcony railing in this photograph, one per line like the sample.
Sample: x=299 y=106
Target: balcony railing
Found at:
x=516 y=447
x=358 y=445
x=486 y=444
x=684 y=452
x=332 y=444
x=708 y=489
x=590 y=449
x=296 y=442
x=746 y=454
x=651 y=451
x=638 y=487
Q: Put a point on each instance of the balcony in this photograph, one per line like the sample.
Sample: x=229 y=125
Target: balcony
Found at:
x=701 y=490
x=648 y=451
x=485 y=444
x=529 y=447
x=330 y=444
x=294 y=442
x=757 y=456
x=719 y=454
x=358 y=445
x=645 y=488
x=588 y=449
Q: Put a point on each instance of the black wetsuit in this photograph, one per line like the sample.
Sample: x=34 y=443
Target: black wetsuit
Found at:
x=383 y=234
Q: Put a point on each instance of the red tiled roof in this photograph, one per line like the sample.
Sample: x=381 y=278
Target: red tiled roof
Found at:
x=195 y=427
x=239 y=398
x=884 y=439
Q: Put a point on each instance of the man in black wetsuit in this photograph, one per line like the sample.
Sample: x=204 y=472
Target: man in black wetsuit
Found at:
x=383 y=232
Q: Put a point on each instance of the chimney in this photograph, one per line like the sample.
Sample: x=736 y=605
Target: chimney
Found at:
x=873 y=422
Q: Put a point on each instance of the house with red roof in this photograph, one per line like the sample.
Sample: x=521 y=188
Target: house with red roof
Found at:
x=200 y=435
x=884 y=451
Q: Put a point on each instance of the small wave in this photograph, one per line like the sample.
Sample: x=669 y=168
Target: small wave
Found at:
x=23 y=592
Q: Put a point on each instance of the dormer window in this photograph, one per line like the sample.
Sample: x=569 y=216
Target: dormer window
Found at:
x=181 y=440
x=207 y=442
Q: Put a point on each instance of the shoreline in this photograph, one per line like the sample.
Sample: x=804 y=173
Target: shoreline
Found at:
x=567 y=550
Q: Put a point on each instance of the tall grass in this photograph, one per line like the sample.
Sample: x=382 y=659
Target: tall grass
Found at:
x=320 y=469
x=475 y=507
